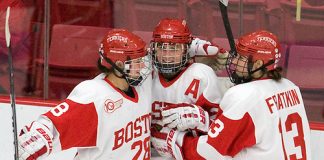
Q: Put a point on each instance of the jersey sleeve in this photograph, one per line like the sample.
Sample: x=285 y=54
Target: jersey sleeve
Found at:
x=76 y=120
x=211 y=95
x=230 y=133
x=225 y=138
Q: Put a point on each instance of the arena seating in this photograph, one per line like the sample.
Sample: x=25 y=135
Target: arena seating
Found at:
x=205 y=17
x=305 y=66
x=145 y=14
x=73 y=57
x=308 y=31
x=305 y=69
x=84 y=12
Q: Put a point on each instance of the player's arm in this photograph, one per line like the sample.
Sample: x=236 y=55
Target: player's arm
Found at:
x=207 y=53
x=185 y=116
x=232 y=131
x=226 y=138
x=36 y=140
x=75 y=123
x=69 y=124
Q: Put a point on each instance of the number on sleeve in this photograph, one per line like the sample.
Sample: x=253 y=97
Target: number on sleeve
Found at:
x=216 y=128
x=60 y=109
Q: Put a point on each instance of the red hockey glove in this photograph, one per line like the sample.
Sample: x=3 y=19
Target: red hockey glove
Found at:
x=35 y=142
x=185 y=116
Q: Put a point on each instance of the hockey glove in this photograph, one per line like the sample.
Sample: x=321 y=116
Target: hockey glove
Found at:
x=185 y=116
x=168 y=142
x=211 y=55
x=35 y=142
x=196 y=47
x=221 y=58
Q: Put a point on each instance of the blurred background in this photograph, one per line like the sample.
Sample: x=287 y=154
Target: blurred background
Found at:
x=55 y=42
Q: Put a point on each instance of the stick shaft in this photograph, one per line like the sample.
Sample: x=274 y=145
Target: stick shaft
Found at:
x=11 y=82
x=227 y=26
x=13 y=103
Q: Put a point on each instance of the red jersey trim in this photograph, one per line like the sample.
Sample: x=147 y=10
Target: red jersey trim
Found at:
x=165 y=83
x=208 y=106
x=135 y=99
x=204 y=103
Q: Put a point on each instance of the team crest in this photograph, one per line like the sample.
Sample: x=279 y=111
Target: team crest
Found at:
x=111 y=106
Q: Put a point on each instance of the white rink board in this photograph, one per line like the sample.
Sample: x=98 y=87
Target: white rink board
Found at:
x=25 y=115
x=28 y=113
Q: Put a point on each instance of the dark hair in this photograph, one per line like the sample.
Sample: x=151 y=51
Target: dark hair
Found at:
x=275 y=74
x=103 y=68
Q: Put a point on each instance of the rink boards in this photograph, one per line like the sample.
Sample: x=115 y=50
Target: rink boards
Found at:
x=29 y=109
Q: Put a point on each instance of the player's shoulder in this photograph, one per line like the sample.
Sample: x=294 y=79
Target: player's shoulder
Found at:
x=89 y=85
x=239 y=99
x=87 y=90
x=243 y=91
x=200 y=71
x=287 y=82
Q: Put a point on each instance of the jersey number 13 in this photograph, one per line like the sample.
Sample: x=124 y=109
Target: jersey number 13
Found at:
x=297 y=139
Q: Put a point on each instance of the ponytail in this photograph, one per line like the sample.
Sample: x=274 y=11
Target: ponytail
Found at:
x=275 y=74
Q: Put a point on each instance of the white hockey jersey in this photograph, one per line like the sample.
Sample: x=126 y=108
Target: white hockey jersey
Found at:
x=197 y=84
x=102 y=122
x=262 y=119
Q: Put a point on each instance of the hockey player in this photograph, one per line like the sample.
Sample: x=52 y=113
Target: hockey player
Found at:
x=191 y=88
x=107 y=117
x=263 y=116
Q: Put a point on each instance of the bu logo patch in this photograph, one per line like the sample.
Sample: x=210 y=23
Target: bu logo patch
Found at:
x=111 y=106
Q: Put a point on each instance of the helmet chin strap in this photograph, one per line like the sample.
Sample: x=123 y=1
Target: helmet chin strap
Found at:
x=238 y=80
x=136 y=82
x=262 y=67
x=169 y=76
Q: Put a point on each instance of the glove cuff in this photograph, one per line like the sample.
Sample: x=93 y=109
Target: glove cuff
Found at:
x=176 y=147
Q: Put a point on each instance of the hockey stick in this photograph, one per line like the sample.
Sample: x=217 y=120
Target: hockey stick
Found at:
x=223 y=7
x=12 y=90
